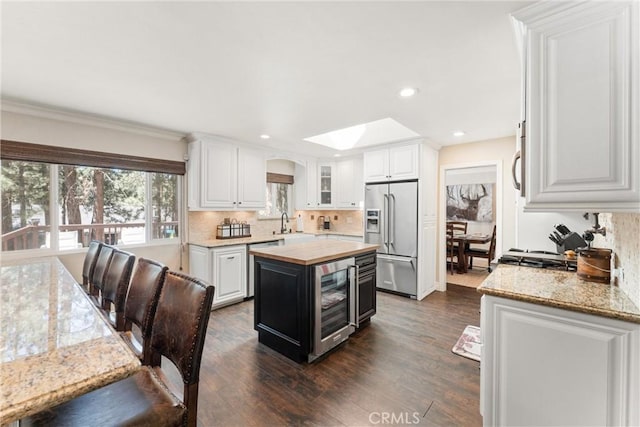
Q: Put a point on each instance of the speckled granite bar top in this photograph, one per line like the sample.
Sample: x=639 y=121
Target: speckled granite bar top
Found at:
x=54 y=344
x=214 y=243
x=561 y=289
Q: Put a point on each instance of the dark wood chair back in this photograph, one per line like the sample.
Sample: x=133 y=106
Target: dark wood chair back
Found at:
x=179 y=331
x=489 y=254
x=453 y=228
x=141 y=302
x=89 y=263
x=146 y=398
x=100 y=270
x=116 y=285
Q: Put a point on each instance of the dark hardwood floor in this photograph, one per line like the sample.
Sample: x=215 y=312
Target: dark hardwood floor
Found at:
x=400 y=367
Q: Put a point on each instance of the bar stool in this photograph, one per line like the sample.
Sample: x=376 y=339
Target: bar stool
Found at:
x=115 y=286
x=97 y=279
x=140 y=304
x=89 y=264
x=145 y=398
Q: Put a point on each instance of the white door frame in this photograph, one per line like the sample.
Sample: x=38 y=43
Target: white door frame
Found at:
x=441 y=282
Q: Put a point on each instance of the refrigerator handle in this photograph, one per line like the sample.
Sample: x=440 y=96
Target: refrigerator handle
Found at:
x=392 y=219
x=387 y=220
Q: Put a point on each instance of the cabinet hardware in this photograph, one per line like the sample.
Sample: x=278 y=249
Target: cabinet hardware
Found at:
x=519 y=155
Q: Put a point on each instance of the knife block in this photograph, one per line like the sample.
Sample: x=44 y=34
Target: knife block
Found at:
x=571 y=241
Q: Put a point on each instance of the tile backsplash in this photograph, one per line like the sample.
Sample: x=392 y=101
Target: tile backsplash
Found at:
x=623 y=237
x=202 y=225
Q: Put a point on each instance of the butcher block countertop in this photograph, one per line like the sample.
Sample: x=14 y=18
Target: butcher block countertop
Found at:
x=561 y=289
x=314 y=252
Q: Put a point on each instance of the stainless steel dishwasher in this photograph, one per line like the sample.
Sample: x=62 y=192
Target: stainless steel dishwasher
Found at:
x=250 y=273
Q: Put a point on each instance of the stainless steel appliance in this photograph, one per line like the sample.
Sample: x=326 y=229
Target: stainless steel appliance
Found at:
x=335 y=308
x=250 y=266
x=391 y=221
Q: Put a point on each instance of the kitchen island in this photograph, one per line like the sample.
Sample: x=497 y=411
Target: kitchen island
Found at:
x=557 y=350
x=311 y=296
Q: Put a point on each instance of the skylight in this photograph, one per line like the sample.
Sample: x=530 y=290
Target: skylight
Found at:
x=362 y=135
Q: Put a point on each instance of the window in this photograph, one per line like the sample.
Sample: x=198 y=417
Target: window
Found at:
x=279 y=192
x=117 y=206
x=25 y=204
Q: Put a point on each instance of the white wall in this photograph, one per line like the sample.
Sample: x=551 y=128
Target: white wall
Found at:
x=99 y=136
x=284 y=167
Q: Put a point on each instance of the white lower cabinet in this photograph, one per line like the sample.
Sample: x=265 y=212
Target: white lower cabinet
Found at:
x=547 y=366
x=225 y=268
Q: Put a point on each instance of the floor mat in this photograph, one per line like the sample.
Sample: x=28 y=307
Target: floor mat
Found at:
x=469 y=344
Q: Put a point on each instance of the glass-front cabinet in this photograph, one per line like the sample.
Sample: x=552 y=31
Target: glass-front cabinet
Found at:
x=325 y=184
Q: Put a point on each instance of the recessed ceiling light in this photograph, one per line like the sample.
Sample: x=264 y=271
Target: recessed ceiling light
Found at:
x=265 y=136
x=337 y=155
x=458 y=133
x=408 y=92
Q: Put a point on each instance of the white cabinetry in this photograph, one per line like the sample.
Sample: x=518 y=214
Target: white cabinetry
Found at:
x=306 y=186
x=224 y=176
x=349 y=188
x=329 y=185
x=224 y=267
x=547 y=366
x=392 y=164
x=326 y=185
x=582 y=105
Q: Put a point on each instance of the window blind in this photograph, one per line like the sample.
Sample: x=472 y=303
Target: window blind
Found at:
x=15 y=150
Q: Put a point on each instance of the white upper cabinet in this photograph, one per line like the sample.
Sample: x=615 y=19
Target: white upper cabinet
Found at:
x=329 y=185
x=582 y=88
x=392 y=164
x=326 y=185
x=349 y=188
x=252 y=173
x=306 y=186
x=224 y=176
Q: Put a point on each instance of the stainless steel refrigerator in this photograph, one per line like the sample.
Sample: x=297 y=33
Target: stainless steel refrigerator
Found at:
x=391 y=221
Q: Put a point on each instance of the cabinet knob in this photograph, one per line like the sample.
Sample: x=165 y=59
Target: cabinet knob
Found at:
x=231 y=257
x=239 y=203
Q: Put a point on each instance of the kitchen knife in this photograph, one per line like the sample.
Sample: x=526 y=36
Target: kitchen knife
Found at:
x=553 y=239
x=562 y=229
x=558 y=237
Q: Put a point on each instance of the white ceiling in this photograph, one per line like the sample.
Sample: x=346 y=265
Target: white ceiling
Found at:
x=288 y=69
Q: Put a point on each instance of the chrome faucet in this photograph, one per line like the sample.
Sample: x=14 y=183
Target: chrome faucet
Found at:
x=282 y=227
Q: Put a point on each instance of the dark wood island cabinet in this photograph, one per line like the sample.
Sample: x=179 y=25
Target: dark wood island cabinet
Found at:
x=310 y=297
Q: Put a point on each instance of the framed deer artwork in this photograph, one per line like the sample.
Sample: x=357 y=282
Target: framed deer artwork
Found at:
x=470 y=202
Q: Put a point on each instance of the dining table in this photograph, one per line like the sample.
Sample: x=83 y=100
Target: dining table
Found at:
x=54 y=343
x=463 y=241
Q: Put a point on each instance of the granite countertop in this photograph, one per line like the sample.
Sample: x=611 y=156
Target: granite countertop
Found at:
x=314 y=252
x=335 y=233
x=214 y=243
x=561 y=289
x=54 y=344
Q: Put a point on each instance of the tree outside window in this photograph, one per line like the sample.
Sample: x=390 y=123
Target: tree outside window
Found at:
x=111 y=205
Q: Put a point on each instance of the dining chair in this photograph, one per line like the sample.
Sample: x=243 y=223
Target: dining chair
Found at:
x=145 y=398
x=100 y=270
x=454 y=228
x=489 y=254
x=115 y=287
x=140 y=304
x=89 y=263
